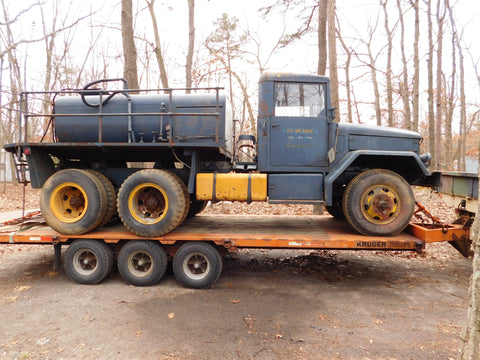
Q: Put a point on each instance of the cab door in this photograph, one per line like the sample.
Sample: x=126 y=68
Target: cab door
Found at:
x=299 y=126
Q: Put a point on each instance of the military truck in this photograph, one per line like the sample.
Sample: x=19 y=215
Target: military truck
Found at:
x=156 y=157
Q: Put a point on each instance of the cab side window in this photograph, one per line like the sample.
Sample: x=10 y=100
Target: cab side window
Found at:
x=299 y=100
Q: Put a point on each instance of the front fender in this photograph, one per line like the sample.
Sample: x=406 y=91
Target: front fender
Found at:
x=370 y=159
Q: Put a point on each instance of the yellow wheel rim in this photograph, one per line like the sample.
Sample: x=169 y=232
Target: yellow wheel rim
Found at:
x=380 y=204
x=69 y=202
x=148 y=203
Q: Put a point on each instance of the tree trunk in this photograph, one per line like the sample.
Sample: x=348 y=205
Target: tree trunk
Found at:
x=416 y=66
x=158 y=46
x=450 y=103
x=191 y=44
x=463 y=109
x=332 y=56
x=376 y=91
x=388 y=72
x=438 y=96
x=322 y=36
x=470 y=337
x=404 y=87
x=129 y=50
x=348 y=86
x=431 y=113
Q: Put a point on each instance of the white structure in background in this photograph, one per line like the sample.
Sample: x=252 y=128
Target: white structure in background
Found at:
x=471 y=165
x=5 y=168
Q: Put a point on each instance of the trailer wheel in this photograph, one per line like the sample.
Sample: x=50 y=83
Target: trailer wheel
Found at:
x=197 y=265
x=196 y=207
x=152 y=202
x=73 y=201
x=378 y=202
x=142 y=263
x=88 y=261
x=111 y=197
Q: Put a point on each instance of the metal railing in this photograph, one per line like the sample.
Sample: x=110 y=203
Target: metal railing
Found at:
x=104 y=96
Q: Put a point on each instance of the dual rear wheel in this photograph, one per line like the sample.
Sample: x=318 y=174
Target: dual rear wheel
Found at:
x=150 y=202
x=75 y=201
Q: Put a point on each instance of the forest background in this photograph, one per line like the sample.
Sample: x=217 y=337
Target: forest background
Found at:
x=410 y=64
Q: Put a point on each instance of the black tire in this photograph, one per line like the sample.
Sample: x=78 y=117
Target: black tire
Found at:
x=196 y=207
x=88 y=261
x=73 y=201
x=152 y=202
x=378 y=202
x=336 y=209
x=111 y=197
x=197 y=265
x=142 y=263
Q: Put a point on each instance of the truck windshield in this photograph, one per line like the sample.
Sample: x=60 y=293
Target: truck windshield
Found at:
x=304 y=100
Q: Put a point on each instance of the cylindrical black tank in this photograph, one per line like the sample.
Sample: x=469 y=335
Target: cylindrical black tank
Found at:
x=189 y=130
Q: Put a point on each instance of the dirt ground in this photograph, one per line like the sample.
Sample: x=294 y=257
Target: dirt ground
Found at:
x=267 y=305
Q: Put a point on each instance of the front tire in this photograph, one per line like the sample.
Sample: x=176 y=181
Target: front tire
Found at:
x=197 y=265
x=378 y=202
x=88 y=261
x=152 y=202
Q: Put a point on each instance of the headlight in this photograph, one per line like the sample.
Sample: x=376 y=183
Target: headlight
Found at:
x=426 y=159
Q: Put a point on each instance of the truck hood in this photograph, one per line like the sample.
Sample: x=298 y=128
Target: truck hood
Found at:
x=367 y=130
x=362 y=137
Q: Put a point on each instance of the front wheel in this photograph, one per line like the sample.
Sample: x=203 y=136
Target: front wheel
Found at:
x=378 y=202
x=197 y=265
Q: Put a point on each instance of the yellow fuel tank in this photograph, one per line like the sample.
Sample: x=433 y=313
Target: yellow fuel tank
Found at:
x=231 y=187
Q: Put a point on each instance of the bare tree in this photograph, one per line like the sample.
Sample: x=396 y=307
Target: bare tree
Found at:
x=322 y=36
x=388 y=72
x=191 y=43
x=431 y=112
x=470 y=337
x=129 y=49
x=440 y=17
x=348 y=85
x=157 y=48
x=371 y=63
x=404 y=83
x=463 y=107
x=416 y=67
x=332 y=54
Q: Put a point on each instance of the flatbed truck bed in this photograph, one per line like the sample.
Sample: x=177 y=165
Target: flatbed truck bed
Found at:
x=198 y=245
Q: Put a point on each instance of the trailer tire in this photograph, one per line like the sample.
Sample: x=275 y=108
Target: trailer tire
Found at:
x=197 y=265
x=73 y=201
x=111 y=197
x=88 y=261
x=142 y=263
x=152 y=202
x=378 y=202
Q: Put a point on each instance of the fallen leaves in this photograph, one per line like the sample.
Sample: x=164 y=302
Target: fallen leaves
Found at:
x=21 y=288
